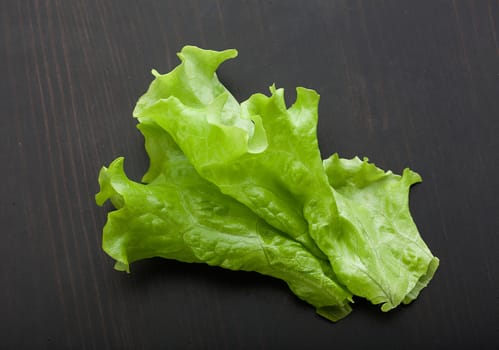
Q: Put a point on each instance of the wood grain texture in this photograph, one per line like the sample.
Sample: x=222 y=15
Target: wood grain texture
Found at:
x=406 y=83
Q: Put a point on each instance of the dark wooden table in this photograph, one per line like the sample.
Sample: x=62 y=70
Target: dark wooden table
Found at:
x=406 y=83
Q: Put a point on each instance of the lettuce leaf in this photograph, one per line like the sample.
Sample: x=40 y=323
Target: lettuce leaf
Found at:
x=179 y=215
x=243 y=186
x=260 y=153
x=380 y=254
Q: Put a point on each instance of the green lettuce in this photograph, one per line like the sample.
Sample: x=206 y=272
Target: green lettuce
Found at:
x=179 y=215
x=243 y=186
x=259 y=153
x=379 y=254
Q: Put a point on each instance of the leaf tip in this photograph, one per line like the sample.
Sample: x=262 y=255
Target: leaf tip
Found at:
x=155 y=73
x=121 y=266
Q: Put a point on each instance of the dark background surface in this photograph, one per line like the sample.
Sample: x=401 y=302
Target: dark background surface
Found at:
x=406 y=83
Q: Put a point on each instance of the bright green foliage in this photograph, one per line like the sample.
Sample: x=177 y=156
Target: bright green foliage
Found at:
x=259 y=153
x=379 y=253
x=179 y=215
x=243 y=186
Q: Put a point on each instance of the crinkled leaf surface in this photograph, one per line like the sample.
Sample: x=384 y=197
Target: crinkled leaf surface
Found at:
x=206 y=150
x=262 y=154
x=179 y=215
x=380 y=254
